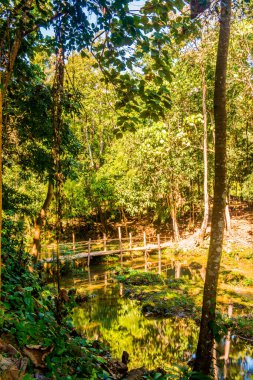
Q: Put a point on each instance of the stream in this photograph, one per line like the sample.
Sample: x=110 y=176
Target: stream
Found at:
x=118 y=322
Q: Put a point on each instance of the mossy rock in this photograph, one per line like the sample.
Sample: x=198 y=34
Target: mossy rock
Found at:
x=166 y=307
x=233 y=277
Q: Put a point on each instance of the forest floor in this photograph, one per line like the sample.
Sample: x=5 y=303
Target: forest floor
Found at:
x=241 y=226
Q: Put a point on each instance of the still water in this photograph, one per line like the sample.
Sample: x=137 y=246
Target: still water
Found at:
x=152 y=343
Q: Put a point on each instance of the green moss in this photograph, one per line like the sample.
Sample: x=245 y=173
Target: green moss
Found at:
x=141 y=278
x=170 y=305
x=235 y=278
x=243 y=326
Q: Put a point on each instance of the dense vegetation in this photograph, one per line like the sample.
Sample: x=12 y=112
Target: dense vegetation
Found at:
x=107 y=118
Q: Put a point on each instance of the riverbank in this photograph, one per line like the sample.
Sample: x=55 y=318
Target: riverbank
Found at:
x=161 y=297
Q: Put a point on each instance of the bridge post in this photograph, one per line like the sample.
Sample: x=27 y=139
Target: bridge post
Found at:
x=177 y=270
x=89 y=249
x=130 y=244
x=89 y=276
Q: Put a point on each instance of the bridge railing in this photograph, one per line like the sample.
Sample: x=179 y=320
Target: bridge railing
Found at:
x=103 y=246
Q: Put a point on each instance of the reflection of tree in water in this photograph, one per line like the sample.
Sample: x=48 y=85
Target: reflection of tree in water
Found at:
x=151 y=343
x=102 y=310
x=234 y=356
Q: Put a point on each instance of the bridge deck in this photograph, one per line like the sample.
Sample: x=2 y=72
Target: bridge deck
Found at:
x=81 y=255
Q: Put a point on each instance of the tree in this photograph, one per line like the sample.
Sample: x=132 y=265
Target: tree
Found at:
x=94 y=125
x=21 y=22
x=206 y=335
x=205 y=153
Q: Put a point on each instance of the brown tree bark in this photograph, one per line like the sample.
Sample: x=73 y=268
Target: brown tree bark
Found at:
x=173 y=214
x=57 y=113
x=5 y=77
x=206 y=336
x=40 y=220
x=1 y=177
x=89 y=148
x=227 y=217
x=19 y=36
x=205 y=158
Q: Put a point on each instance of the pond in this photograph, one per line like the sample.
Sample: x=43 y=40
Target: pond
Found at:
x=118 y=322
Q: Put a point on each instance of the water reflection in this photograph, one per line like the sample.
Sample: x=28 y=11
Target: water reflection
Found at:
x=154 y=343
x=118 y=322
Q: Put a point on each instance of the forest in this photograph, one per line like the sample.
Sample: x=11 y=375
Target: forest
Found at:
x=126 y=189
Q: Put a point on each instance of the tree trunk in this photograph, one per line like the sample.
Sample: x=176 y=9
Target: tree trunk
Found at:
x=227 y=218
x=57 y=113
x=1 y=177
x=5 y=77
x=124 y=220
x=215 y=365
x=19 y=36
x=40 y=220
x=89 y=148
x=205 y=344
x=102 y=218
x=173 y=214
x=205 y=158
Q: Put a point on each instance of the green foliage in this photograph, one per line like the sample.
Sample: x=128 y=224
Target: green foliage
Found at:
x=28 y=313
x=134 y=70
x=140 y=278
x=120 y=322
x=176 y=372
x=15 y=274
x=247 y=188
x=218 y=328
x=243 y=325
x=235 y=278
x=156 y=306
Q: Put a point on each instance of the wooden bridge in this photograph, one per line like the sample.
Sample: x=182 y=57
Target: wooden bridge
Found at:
x=106 y=246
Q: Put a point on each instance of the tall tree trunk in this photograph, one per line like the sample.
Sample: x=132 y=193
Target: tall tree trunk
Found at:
x=215 y=364
x=124 y=220
x=57 y=111
x=40 y=220
x=205 y=158
x=205 y=343
x=89 y=148
x=102 y=218
x=18 y=38
x=192 y=208
x=227 y=217
x=226 y=354
x=1 y=177
x=5 y=77
x=173 y=214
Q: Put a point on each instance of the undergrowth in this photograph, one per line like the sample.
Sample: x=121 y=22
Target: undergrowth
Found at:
x=35 y=319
